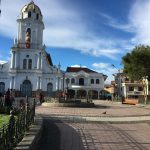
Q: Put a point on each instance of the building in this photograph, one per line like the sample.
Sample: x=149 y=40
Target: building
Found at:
x=127 y=88
x=84 y=83
x=31 y=69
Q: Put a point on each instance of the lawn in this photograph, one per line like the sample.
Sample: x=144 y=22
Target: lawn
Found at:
x=4 y=119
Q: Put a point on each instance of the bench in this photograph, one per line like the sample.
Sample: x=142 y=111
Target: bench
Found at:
x=130 y=101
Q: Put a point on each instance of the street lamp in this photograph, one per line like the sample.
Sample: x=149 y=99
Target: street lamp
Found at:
x=67 y=82
x=118 y=84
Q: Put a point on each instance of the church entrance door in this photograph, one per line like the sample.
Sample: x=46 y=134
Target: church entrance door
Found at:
x=49 y=89
x=26 y=88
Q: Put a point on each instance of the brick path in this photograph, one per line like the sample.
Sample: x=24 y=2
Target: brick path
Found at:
x=69 y=135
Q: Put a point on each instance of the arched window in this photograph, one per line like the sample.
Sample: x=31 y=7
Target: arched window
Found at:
x=72 y=81
x=81 y=81
x=24 y=64
x=37 y=16
x=97 y=81
x=30 y=64
x=92 y=81
x=29 y=14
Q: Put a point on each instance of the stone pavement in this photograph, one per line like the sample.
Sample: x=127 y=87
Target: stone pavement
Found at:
x=103 y=108
x=60 y=134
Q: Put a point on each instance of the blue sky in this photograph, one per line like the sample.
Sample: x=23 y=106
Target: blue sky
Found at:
x=92 y=33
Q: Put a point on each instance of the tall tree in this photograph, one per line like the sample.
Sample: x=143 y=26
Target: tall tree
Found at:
x=137 y=63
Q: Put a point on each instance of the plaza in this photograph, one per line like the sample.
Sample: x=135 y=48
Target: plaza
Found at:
x=67 y=128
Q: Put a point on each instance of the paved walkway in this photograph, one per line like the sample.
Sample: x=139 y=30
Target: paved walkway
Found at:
x=60 y=134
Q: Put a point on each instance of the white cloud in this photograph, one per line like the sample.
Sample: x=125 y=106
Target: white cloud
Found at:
x=105 y=68
x=116 y=24
x=2 y=62
x=140 y=19
x=138 y=23
x=78 y=66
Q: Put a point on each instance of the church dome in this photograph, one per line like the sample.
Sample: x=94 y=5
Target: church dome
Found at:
x=31 y=11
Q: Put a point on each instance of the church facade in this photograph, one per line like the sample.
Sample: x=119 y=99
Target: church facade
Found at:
x=30 y=68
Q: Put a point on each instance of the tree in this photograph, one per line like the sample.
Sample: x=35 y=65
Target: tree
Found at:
x=137 y=63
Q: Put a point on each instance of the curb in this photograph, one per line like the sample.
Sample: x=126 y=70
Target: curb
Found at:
x=102 y=119
x=32 y=137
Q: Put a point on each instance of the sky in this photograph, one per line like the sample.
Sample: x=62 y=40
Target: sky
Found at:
x=91 y=33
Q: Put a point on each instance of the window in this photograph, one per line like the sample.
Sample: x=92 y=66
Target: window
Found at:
x=24 y=64
x=67 y=81
x=37 y=16
x=30 y=64
x=97 y=81
x=72 y=80
x=92 y=81
x=131 y=88
x=29 y=14
x=140 y=88
x=81 y=81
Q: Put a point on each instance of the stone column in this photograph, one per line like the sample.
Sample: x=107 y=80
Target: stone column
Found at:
x=12 y=60
x=38 y=83
x=98 y=94
x=38 y=62
x=16 y=60
x=12 y=82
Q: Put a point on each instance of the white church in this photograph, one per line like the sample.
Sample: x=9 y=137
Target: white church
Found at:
x=31 y=69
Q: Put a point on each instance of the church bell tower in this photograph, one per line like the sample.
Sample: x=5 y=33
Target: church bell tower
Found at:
x=30 y=27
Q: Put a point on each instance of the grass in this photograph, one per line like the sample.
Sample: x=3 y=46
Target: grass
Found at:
x=4 y=119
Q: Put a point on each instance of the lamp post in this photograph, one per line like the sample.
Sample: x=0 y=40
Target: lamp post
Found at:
x=118 y=75
x=145 y=88
x=67 y=82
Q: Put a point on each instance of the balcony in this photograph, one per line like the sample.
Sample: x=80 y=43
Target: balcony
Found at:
x=135 y=93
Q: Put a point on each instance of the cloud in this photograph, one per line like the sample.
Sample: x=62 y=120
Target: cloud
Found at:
x=138 y=23
x=105 y=68
x=2 y=62
x=139 y=18
x=64 y=28
x=116 y=24
x=78 y=66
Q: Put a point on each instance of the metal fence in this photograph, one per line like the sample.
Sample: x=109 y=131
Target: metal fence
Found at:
x=20 y=120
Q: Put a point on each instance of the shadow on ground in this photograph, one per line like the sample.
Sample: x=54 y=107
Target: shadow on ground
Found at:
x=59 y=136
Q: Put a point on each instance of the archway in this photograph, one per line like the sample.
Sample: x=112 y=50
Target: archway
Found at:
x=81 y=94
x=93 y=94
x=71 y=93
x=26 y=88
x=49 y=89
x=2 y=87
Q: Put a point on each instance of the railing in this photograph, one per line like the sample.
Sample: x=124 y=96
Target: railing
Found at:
x=23 y=45
x=135 y=92
x=19 y=122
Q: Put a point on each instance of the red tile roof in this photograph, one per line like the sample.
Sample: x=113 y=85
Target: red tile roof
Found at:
x=77 y=69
